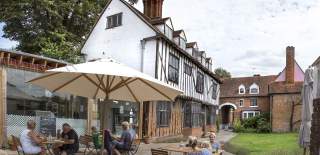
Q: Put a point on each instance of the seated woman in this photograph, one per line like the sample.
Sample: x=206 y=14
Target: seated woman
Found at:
x=193 y=142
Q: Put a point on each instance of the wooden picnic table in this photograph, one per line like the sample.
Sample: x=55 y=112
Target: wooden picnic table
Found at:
x=183 y=149
x=49 y=144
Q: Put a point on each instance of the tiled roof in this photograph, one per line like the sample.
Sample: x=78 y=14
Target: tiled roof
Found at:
x=316 y=62
x=230 y=87
x=177 y=33
x=157 y=21
x=191 y=44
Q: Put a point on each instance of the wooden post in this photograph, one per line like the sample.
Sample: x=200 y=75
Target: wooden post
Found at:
x=20 y=59
x=32 y=62
x=89 y=114
x=3 y=106
x=140 y=119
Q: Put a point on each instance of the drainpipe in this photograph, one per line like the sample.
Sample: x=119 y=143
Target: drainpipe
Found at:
x=143 y=47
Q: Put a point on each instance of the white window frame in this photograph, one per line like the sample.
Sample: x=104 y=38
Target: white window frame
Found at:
x=245 y=114
x=254 y=86
x=240 y=102
x=242 y=87
x=256 y=102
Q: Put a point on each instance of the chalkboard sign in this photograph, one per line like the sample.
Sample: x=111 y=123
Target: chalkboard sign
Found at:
x=48 y=126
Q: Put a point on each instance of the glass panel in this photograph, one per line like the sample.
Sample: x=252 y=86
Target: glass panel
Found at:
x=26 y=99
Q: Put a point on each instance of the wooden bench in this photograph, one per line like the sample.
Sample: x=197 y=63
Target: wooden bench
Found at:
x=86 y=140
x=159 y=152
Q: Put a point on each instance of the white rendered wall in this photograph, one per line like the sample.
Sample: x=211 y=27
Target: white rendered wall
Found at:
x=120 y=43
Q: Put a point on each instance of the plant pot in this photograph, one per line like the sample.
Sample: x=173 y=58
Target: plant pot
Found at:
x=12 y=148
x=146 y=140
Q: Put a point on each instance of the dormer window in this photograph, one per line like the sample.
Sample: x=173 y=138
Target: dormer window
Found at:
x=242 y=89
x=168 y=31
x=182 y=43
x=254 y=89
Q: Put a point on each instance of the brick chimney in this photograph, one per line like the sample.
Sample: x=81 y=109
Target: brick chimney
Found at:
x=153 y=8
x=290 y=62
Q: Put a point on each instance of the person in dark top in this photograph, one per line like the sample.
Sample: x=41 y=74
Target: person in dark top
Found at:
x=71 y=141
x=124 y=142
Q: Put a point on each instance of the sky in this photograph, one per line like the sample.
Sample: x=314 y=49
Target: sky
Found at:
x=246 y=37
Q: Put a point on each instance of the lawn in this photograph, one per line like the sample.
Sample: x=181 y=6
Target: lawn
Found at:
x=257 y=144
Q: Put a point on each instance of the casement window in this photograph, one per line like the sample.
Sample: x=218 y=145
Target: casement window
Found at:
x=182 y=43
x=193 y=116
x=187 y=69
x=163 y=114
x=173 y=68
x=214 y=90
x=197 y=118
x=187 y=115
x=253 y=102
x=242 y=89
x=200 y=83
x=241 y=102
x=114 y=20
x=254 y=89
x=168 y=31
x=211 y=115
x=249 y=114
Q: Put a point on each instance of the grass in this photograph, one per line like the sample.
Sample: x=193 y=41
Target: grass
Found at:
x=264 y=144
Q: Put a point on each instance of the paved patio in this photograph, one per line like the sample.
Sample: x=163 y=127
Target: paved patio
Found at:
x=222 y=136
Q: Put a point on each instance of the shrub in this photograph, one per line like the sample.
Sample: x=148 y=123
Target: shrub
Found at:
x=237 y=126
x=259 y=124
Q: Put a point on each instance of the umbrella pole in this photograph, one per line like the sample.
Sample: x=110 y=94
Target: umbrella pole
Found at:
x=140 y=119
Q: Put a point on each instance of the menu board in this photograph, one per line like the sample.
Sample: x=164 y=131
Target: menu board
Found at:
x=48 y=126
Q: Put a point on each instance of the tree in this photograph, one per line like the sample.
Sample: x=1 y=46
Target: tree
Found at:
x=53 y=28
x=222 y=73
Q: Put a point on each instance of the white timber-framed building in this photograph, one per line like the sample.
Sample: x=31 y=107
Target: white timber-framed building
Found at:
x=150 y=43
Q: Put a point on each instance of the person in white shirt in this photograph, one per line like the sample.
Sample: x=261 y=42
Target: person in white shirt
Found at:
x=30 y=140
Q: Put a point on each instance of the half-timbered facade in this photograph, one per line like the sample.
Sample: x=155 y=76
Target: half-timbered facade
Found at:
x=150 y=43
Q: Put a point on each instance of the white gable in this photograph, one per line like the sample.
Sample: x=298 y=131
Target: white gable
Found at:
x=122 y=43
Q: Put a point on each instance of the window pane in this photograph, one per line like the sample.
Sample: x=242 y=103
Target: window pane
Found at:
x=173 y=72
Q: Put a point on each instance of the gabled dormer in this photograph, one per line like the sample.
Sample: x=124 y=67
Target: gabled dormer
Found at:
x=164 y=25
x=192 y=48
x=202 y=58
x=179 y=37
x=209 y=63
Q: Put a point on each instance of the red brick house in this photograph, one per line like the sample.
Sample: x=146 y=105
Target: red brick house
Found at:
x=279 y=95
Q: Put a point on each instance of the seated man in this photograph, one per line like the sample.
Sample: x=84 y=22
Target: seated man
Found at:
x=124 y=142
x=71 y=141
x=30 y=140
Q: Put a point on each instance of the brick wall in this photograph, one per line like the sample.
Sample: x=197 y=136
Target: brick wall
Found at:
x=281 y=112
x=263 y=104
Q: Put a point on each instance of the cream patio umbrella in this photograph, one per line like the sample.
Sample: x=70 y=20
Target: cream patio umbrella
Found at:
x=109 y=80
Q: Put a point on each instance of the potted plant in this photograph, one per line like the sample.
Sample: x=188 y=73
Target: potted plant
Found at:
x=146 y=139
x=10 y=143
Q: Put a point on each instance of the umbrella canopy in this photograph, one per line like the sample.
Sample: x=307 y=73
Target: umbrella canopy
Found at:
x=307 y=99
x=106 y=79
